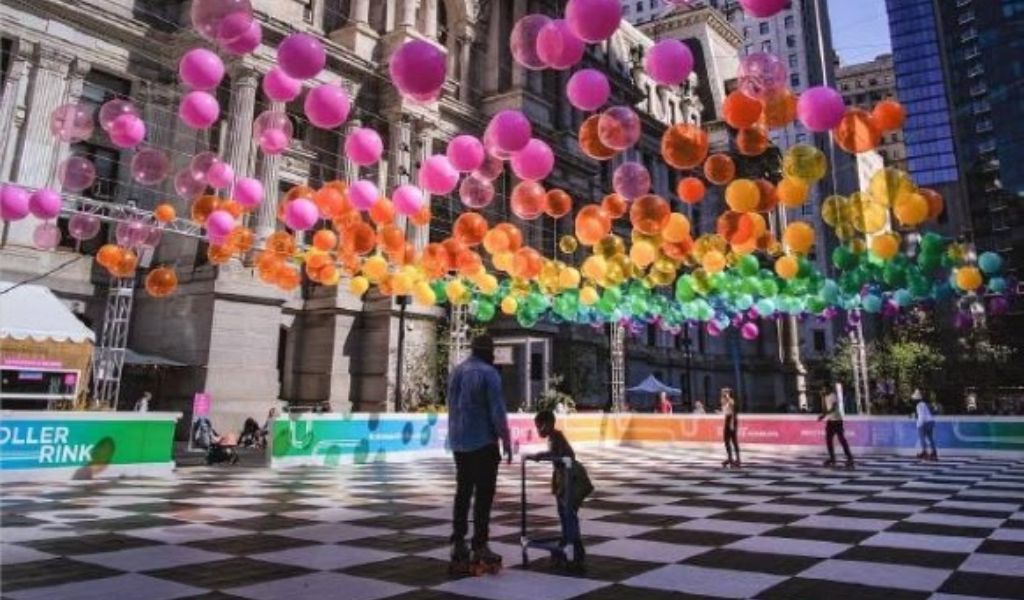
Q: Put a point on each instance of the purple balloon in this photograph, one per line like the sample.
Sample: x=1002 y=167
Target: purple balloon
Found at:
x=301 y=214
x=364 y=146
x=46 y=236
x=534 y=162
x=13 y=203
x=476 y=192
x=619 y=127
x=438 y=176
x=998 y=305
x=150 y=166
x=219 y=225
x=669 y=62
x=588 y=89
x=127 y=131
x=593 y=20
x=408 y=199
x=327 y=106
x=44 y=204
x=763 y=9
x=201 y=69
x=301 y=56
x=523 y=41
x=83 y=227
x=558 y=47
x=631 y=180
x=76 y=173
x=418 y=69
x=466 y=153
x=248 y=192
x=199 y=110
x=71 y=123
x=762 y=75
x=511 y=130
x=278 y=86
x=820 y=108
x=363 y=194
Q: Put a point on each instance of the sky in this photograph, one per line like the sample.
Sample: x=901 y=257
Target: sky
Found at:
x=860 y=29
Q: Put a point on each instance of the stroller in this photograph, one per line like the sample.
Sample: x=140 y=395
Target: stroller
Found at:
x=573 y=483
x=219 y=448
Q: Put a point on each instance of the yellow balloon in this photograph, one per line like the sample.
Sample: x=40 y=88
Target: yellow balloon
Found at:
x=890 y=184
x=713 y=261
x=589 y=296
x=375 y=268
x=424 y=294
x=911 y=209
x=457 y=292
x=569 y=278
x=792 y=192
x=643 y=253
x=503 y=261
x=799 y=236
x=885 y=246
x=804 y=161
x=787 y=267
x=835 y=210
x=509 y=305
x=568 y=244
x=610 y=246
x=595 y=267
x=358 y=285
x=743 y=195
x=401 y=284
x=968 y=278
x=845 y=231
x=487 y=283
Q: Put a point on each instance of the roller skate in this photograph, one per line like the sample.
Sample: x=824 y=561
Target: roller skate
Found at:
x=579 y=555
x=850 y=465
x=483 y=560
x=460 y=559
x=829 y=463
x=934 y=457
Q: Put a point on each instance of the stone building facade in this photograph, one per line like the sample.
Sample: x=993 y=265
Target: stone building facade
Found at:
x=865 y=84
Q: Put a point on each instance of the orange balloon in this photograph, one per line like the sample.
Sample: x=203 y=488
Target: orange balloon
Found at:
x=528 y=200
x=799 y=236
x=787 y=267
x=342 y=222
x=202 y=207
x=325 y=240
x=558 y=203
x=422 y=217
x=769 y=195
x=719 y=169
x=779 y=110
x=331 y=202
x=740 y=110
x=527 y=263
x=267 y=264
x=936 y=204
x=165 y=213
x=231 y=207
x=592 y=224
x=391 y=239
x=468 y=263
x=590 y=143
x=736 y=228
x=792 y=192
x=515 y=236
x=241 y=238
x=889 y=115
x=219 y=255
x=382 y=212
x=161 y=282
x=713 y=261
x=684 y=146
x=469 y=229
x=497 y=240
x=649 y=214
x=743 y=195
x=677 y=251
x=615 y=205
x=108 y=255
x=677 y=229
x=316 y=261
x=857 y=132
x=359 y=238
x=453 y=247
x=435 y=261
x=752 y=141
x=281 y=243
x=691 y=190
x=288 y=278
x=299 y=191
x=126 y=264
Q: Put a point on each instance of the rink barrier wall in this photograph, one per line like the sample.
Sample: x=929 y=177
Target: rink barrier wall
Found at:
x=337 y=439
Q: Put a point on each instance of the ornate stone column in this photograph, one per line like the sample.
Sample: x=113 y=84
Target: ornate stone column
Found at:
x=399 y=157
x=46 y=90
x=419 y=235
x=76 y=80
x=349 y=169
x=8 y=108
x=465 y=60
x=357 y=35
x=266 y=217
x=242 y=111
x=430 y=18
x=406 y=14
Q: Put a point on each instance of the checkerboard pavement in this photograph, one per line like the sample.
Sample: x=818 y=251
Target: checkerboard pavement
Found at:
x=664 y=524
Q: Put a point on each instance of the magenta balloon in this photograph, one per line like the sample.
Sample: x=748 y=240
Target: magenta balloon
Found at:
x=301 y=214
x=408 y=199
x=588 y=89
x=188 y=184
x=418 y=69
x=438 y=176
x=490 y=169
x=301 y=56
x=150 y=166
x=76 y=173
x=44 y=204
x=232 y=27
x=278 y=86
x=476 y=192
x=273 y=131
x=248 y=192
x=466 y=153
x=820 y=108
x=13 y=203
x=327 y=106
x=762 y=75
x=558 y=47
x=83 y=227
x=219 y=225
x=220 y=175
x=511 y=130
x=127 y=131
x=593 y=20
x=247 y=42
x=199 y=110
x=363 y=194
x=46 y=236
x=523 y=41
x=209 y=15
x=71 y=123
x=201 y=69
x=619 y=127
x=763 y=9
x=631 y=180
x=132 y=233
x=112 y=109
x=669 y=62
x=534 y=162
x=364 y=146
x=491 y=146
x=274 y=141
x=750 y=331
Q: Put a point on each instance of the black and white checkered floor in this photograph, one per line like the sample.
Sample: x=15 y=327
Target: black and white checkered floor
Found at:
x=665 y=523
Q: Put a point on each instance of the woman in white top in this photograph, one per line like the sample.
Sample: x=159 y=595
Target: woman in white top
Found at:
x=730 y=428
x=925 y=427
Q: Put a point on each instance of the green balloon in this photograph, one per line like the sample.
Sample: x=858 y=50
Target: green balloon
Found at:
x=483 y=310
x=844 y=259
x=748 y=265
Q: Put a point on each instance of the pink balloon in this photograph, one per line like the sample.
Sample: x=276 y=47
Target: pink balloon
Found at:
x=490 y=169
x=363 y=194
x=523 y=41
x=199 y=110
x=71 y=123
x=588 y=89
x=418 y=69
x=201 y=69
x=631 y=180
x=247 y=42
x=301 y=56
x=248 y=192
x=301 y=214
x=593 y=20
x=127 y=131
x=44 y=204
x=491 y=147
x=534 y=162
x=273 y=131
x=112 y=109
x=438 y=176
x=476 y=192
x=408 y=199
x=76 y=173
x=233 y=27
x=188 y=184
x=202 y=162
x=13 y=203
x=466 y=153
x=274 y=141
x=558 y=47
x=820 y=108
x=83 y=227
x=750 y=331
x=327 y=106
x=669 y=62
x=219 y=225
x=763 y=9
x=364 y=146
x=280 y=87
x=46 y=236
x=511 y=130
x=150 y=166
x=208 y=16
x=619 y=127
x=220 y=175
x=762 y=75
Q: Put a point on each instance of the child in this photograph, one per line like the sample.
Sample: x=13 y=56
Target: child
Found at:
x=568 y=508
x=730 y=429
x=925 y=428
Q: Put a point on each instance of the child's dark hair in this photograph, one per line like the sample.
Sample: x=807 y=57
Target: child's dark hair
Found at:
x=544 y=417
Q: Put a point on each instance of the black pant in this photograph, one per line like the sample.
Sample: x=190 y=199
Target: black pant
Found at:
x=476 y=475
x=833 y=429
x=731 y=441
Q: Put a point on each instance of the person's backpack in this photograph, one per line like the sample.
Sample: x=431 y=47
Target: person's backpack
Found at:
x=582 y=487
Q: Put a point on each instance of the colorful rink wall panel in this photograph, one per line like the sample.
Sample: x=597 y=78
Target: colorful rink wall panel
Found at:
x=344 y=439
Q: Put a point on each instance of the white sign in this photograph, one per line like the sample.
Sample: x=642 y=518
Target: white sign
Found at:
x=503 y=355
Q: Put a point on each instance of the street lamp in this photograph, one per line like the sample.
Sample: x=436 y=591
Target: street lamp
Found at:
x=403 y=302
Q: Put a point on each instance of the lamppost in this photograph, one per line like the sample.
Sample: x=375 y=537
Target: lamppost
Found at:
x=403 y=302
x=688 y=355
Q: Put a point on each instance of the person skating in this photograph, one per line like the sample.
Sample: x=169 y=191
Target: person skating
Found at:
x=477 y=422
x=730 y=428
x=833 y=415
x=925 y=427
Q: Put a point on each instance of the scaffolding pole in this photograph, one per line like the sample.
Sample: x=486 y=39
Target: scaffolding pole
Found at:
x=618 y=357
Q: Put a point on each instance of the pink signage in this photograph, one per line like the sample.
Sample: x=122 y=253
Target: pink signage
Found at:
x=32 y=363
x=201 y=405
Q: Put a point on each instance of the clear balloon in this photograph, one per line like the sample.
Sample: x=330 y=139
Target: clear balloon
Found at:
x=528 y=200
x=273 y=131
x=476 y=192
x=490 y=169
x=112 y=109
x=72 y=123
x=46 y=236
x=762 y=75
x=131 y=233
x=209 y=16
x=76 y=174
x=523 y=41
x=83 y=227
x=619 y=127
x=418 y=70
x=188 y=184
x=301 y=56
x=150 y=166
x=631 y=180
x=558 y=47
x=248 y=42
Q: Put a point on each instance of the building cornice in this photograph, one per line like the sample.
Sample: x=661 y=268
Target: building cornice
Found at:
x=673 y=21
